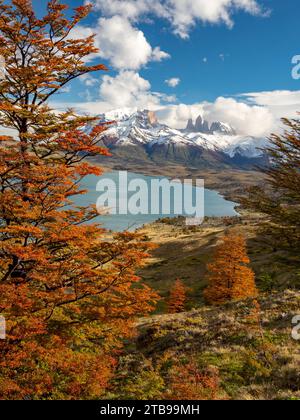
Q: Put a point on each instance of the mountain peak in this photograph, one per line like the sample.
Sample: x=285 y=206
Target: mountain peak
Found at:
x=202 y=126
x=190 y=125
x=153 y=120
x=142 y=130
x=223 y=128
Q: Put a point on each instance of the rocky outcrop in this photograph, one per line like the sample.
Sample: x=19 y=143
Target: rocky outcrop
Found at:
x=202 y=126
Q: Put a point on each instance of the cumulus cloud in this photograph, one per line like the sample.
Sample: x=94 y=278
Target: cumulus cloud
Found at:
x=131 y=9
x=256 y=114
x=176 y=116
x=159 y=55
x=247 y=119
x=185 y=14
x=182 y=14
x=122 y=44
x=282 y=103
x=128 y=89
x=88 y=80
x=173 y=82
x=125 y=90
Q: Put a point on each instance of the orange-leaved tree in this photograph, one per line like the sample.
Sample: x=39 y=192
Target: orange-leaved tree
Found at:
x=177 y=298
x=68 y=294
x=188 y=382
x=229 y=276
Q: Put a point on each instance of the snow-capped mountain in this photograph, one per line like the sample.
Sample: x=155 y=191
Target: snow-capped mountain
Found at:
x=202 y=126
x=198 y=144
x=141 y=127
x=232 y=145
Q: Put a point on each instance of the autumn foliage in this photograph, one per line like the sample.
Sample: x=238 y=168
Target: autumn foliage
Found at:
x=189 y=383
x=229 y=276
x=68 y=292
x=177 y=298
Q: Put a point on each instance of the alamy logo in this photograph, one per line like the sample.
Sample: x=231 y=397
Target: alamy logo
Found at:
x=296 y=329
x=2 y=328
x=296 y=68
x=160 y=197
x=2 y=67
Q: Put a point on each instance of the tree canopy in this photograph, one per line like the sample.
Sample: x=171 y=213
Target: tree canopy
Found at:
x=68 y=292
x=279 y=199
x=229 y=276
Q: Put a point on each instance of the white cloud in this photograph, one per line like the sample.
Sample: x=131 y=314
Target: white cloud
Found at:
x=182 y=14
x=88 y=80
x=128 y=89
x=275 y=97
x=166 y=98
x=173 y=82
x=125 y=90
x=253 y=114
x=257 y=113
x=131 y=9
x=247 y=119
x=122 y=44
x=185 y=14
x=281 y=103
x=176 y=116
x=159 y=55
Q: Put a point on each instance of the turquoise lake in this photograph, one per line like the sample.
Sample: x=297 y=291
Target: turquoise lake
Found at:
x=214 y=203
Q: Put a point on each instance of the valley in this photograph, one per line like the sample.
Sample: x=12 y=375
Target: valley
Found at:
x=185 y=252
x=242 y=356
x=120 y=277
x=245 y=353
x=226 y=161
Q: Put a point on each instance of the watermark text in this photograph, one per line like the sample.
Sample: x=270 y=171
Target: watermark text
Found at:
x=2 y=328
x=296 y=329
x=296 y=68
x=158 y=197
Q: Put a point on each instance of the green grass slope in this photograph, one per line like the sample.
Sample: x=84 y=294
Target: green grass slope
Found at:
x=252 y=363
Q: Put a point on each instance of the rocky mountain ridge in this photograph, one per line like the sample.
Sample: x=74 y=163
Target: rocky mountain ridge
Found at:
x=141 y=136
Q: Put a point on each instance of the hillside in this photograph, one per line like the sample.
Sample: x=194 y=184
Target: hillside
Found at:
x=247 y=348
x=184 y=252
x=244 y=355
x=238 y=351
x=250 y=362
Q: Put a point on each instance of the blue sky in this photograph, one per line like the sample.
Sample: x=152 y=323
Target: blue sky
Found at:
x=218 y=49
x=257 y=51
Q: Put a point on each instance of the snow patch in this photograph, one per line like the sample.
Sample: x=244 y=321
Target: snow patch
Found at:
x=134 y=127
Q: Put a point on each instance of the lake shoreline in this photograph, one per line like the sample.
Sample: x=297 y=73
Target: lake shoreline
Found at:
x=231 y=184
x=136 y=199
